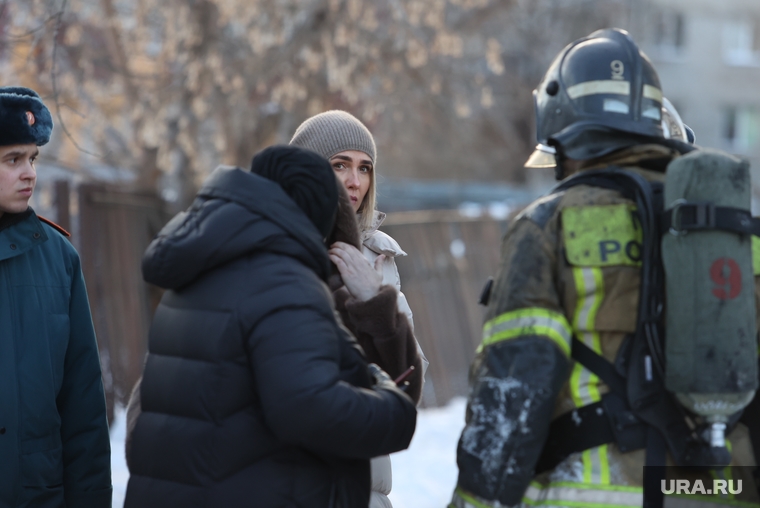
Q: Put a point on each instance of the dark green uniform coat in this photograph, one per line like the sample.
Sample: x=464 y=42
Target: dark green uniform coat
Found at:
x=54 y=444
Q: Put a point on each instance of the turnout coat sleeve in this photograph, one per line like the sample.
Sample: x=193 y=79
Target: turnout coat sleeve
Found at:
x=519 y=369
x=81 y=405
x=295 y=354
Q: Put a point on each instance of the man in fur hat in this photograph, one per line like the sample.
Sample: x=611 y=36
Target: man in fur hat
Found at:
x=54 y=444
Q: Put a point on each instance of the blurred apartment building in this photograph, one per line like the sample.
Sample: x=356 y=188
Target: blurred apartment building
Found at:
x=707 y=53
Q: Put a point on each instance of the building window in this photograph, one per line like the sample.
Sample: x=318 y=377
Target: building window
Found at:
x=741 y=129
x=669 y=28
x=741 y=43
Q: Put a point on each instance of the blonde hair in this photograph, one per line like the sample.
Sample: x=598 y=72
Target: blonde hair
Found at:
x=368 y=205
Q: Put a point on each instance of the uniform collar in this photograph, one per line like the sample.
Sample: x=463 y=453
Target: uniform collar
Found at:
x=9 y=219
x=20 y=233
x=639 y=155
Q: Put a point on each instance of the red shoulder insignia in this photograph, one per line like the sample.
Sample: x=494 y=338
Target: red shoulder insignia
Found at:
x=54 y=226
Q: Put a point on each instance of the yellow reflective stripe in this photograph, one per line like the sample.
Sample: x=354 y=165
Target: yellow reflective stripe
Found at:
x=466 y=500
x=596 y=465
x=604 y=462
x=603 y=235
x=756 y=255
x=602 y=86
x=581 y=495
x=575 y=383
x=691 y=501
x=589 y=285
x=526 y=322
x=584 y=385
x=576 y=504
x=588 y=465
x=584 y=486
x=652 y=92
x=612 y=496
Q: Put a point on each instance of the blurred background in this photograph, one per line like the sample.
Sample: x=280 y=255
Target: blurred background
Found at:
x=149 y=96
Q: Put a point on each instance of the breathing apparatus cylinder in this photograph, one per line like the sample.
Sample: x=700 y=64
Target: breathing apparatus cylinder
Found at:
x=711 y=345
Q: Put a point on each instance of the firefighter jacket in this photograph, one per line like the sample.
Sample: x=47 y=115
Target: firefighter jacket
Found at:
x=569 y=267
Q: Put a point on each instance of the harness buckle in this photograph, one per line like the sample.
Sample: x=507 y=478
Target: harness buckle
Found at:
x=703 y=213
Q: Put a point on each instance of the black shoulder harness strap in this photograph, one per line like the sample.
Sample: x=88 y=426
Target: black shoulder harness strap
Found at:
x=689 y=216
x=607 y=421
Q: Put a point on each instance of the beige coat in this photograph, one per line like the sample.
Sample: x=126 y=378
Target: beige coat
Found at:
x=374 y=243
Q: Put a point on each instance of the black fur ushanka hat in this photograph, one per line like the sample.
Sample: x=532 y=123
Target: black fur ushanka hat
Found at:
x=24 y=118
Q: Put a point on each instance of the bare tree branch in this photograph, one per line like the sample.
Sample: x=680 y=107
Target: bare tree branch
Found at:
x=54 y=80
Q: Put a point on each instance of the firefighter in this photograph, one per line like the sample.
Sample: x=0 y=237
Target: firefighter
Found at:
x=549 y=420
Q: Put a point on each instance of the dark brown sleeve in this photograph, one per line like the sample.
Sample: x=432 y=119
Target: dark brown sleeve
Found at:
x=384 y=334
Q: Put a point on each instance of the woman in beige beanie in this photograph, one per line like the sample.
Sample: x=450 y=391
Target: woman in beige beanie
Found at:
x=350 y=148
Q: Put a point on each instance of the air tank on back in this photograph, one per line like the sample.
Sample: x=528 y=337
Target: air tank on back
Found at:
x=711 y=341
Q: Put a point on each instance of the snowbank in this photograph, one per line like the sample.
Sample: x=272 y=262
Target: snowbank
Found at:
x=424 y=476
x=119 y=471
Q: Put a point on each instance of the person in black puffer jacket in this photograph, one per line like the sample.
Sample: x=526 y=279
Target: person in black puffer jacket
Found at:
x=253 y=394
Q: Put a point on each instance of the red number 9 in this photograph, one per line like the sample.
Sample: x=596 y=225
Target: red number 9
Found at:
x=731 y=285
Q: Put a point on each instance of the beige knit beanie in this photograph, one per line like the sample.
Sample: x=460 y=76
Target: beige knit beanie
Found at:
x=333 y=132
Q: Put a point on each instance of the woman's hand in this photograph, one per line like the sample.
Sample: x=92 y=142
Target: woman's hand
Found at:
x=362 y=280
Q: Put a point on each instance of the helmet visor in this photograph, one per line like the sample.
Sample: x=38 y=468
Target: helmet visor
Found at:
x=672 y=125
x=542 y=157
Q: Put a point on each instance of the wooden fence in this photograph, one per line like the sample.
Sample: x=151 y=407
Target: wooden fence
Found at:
x=115 y=228
x=450 y=257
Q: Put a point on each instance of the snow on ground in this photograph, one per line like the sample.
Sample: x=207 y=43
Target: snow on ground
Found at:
x=424 y=476
x=119 y=471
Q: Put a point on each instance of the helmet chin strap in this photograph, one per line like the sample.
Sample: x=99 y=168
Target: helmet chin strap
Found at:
x=559 y=172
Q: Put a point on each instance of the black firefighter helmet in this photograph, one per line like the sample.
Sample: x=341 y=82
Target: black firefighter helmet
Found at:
x=599 y=95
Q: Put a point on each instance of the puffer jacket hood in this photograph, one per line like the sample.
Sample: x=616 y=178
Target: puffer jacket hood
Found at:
x=235 y=213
